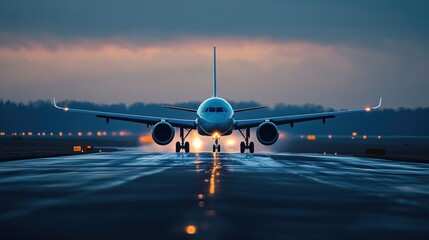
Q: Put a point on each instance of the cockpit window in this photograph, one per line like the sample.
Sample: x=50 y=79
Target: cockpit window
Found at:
x=215 y=109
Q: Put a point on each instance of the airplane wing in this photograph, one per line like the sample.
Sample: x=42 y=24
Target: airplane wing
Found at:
x=250 y=123
x=149 y=120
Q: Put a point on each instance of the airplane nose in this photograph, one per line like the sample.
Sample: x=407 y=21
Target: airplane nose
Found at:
x=217 y=124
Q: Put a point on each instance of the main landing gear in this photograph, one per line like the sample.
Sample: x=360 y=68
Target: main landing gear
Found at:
x=182 y=144
x=246 y=145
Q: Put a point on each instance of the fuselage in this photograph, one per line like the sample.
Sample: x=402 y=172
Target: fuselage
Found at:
x=215 y=116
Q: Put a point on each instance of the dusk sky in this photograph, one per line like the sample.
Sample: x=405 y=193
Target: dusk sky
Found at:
x=340 y=54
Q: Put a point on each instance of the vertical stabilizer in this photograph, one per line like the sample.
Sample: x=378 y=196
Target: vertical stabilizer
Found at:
x=214 y=73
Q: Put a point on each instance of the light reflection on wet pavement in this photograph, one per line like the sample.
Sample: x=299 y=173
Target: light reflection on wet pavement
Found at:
x=135 y=195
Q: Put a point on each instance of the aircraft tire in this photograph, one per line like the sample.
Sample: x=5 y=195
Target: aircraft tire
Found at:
x=186 y=147
x=178 y=147
x=251 y=147
x=242 y=147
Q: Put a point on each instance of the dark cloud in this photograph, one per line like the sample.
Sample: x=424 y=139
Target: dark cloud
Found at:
x=321 y=21
x=309 y=51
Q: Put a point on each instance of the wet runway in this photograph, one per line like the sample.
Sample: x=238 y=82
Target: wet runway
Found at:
x=136 y=195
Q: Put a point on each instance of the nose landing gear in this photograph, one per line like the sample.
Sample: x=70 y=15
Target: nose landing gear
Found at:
x=246 y=145
x=216 y=146
x=182 y=144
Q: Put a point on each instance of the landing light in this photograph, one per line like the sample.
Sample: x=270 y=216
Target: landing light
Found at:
x=368 y=109
x=216 y=135
x=66 y=109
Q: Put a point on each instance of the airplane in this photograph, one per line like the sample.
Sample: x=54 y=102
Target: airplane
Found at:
x=215 y=117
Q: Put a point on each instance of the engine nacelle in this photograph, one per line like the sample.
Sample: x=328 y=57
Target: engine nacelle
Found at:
x=267 y=133
x=163 y=133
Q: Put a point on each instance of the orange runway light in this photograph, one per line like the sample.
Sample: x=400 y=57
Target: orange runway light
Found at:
x=354 y=134
x=311 y=137
x=123 y=133
x=379 y=137
x=364 y=137
x=191 y=229
x=146 y=139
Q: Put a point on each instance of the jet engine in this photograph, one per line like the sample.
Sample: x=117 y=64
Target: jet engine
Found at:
x=267 y=133
x=163 y=133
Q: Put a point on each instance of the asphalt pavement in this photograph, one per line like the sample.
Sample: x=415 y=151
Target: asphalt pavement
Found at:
x=132 y=194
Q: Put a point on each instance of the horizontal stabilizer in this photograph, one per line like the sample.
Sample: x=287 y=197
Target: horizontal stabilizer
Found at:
x=249 y=109
x=180 y=108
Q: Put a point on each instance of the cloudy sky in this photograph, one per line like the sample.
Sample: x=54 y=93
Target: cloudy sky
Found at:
x=340 y=54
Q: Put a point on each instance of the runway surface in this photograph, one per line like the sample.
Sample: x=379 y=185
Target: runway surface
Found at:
x=136 y=195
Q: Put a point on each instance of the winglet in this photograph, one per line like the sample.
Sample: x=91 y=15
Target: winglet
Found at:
x=55 y=104
x=369 y=109
x=379 y=104
x=58 y=107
